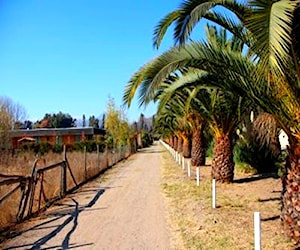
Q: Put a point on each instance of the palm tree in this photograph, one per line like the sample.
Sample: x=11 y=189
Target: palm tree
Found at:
x=152 y=75
x=181 y=127
x=191 y=114
x=223 y=111
x=271 y=30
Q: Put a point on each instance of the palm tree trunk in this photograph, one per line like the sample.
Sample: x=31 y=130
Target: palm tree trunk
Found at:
x=186 y=150
x=175 y=142
x=180 y=144
x=222 y=163
x=290 y=212
x=198 y=147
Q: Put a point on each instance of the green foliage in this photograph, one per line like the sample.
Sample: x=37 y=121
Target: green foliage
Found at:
x=146 y=139
x=41 y=148
x=249 y=152
x=209 y=151
x=59 y=120
x=91 y=146
x=116 y=125
x=93 y=122
x=109 y=142
x=57 y=148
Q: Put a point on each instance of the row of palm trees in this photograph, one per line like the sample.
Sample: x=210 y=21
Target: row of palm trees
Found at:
x=251 y=60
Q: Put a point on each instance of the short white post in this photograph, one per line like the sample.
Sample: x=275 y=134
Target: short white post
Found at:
x=179 y=159
x=176 y=156
x=189 y=168
x=182 y=162
x=213 y=193
x=198 y=176
x=257 y=234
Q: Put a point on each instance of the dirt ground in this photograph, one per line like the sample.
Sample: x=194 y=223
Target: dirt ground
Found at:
x=124 y=209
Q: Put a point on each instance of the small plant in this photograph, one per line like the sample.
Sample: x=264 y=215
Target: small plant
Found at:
x=57 y=148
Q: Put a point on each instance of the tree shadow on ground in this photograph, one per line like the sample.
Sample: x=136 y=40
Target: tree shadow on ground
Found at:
x=150 y=151
x=257 y=178
x=275 y=217
x=270 y=199
x=71 y=212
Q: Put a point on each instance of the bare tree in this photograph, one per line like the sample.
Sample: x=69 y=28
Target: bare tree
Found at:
x=11 y=113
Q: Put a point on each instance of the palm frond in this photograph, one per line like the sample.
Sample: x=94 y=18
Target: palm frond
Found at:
x=162 y=27
x=271 y=25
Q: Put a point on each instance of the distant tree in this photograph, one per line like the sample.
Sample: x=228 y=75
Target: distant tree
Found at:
x=15 y=113
x=11 y=114
x=93 y=122
x=83 y=121
x=116 y=124
x=142 y=122
x=26 y=125
x=102 y=123
x=135 y=127
x=59 y=120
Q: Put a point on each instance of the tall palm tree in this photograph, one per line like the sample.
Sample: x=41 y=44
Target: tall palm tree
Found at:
x=223 y=107
x=175 y=107
x=191 y=115
x=274 y=33
x=223 y=111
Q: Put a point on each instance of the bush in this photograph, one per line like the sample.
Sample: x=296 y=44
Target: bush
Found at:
x=57 y=148
x=41 y=148
x=146 y=139
x=210 y=149
x=91 y=146
x=259 y=157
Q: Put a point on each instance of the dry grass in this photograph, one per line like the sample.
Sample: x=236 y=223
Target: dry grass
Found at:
x=230 y=225
x=48 y=184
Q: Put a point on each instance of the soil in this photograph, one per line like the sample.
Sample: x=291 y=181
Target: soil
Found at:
x=124 y=209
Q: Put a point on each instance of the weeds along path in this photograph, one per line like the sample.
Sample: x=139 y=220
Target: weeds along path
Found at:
x=124 y=209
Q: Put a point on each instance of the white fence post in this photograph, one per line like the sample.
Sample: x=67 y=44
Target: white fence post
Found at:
x=183 y=163
x=189 y=168
x=213 y=193
x=198 y=176
x=257 y=233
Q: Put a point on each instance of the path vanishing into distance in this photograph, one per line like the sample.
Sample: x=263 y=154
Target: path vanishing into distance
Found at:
x=125 y=209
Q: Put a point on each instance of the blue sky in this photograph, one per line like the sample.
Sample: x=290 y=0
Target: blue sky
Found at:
x=70 y=55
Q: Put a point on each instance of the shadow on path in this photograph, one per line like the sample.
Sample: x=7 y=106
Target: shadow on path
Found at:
x=72 y=214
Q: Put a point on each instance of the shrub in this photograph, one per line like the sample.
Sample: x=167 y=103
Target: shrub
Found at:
x=146 y=139
x=57 y=148
x=41 y=148
x=259 y=157
x=210 y=148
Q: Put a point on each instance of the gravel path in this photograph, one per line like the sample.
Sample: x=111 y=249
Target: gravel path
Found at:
x=124 y=211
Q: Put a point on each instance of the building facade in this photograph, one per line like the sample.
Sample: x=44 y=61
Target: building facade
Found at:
x=54 y=136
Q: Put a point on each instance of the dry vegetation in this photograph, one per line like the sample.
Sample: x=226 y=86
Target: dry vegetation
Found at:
x=230 y=225
x=48 y=185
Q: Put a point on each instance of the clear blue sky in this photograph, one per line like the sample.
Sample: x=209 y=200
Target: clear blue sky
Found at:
x=70 y=55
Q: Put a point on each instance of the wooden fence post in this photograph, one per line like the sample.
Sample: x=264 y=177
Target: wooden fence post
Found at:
x=63 y=183
x=32 y=188
x=98 y=155
x=64 y=153
x=85 y=165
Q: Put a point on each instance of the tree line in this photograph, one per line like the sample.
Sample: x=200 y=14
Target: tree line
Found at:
x=119 y=132
x=249 y=62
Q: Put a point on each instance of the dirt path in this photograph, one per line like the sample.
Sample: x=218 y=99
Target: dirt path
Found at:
x=125 y=211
